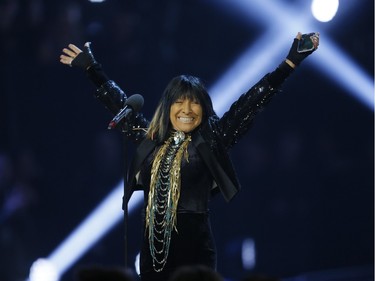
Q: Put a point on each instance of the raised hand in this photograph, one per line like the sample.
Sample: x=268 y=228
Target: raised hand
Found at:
x=74 y=56
x=294 y=58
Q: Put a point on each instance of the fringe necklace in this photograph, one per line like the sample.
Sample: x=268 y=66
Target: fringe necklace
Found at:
x=163 y=197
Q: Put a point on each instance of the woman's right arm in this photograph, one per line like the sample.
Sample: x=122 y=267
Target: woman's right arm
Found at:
x=107 y=91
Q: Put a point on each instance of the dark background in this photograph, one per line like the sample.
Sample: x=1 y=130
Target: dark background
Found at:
x=306 y=166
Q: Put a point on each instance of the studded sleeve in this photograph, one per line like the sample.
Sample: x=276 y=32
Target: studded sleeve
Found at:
x=239 y=118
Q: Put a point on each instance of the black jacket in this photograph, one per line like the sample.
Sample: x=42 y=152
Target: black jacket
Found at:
x=212 y=139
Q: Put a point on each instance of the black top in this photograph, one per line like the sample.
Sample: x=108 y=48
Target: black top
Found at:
x=196 y=182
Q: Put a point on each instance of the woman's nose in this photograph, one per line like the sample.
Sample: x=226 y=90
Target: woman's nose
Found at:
x=186 y=106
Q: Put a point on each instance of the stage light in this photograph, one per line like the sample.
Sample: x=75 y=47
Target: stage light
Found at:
x=43 y=270
x=94 y=227
x=96 y=1
x=324 y=10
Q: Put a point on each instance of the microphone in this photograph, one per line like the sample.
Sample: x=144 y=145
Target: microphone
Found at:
x=132 y=105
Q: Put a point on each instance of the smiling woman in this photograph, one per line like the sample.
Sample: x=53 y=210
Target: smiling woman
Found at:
x=185 y=103
x=182 y=158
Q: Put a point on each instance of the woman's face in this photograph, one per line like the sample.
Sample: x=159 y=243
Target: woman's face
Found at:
x=185 y=115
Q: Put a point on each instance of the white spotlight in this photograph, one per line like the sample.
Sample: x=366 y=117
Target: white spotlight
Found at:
x=43 y=270
x=324 y=10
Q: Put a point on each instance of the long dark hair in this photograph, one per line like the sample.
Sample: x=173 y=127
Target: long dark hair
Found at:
x=183 y=86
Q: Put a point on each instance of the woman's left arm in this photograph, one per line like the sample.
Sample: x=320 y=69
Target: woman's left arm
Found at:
x=238 y=119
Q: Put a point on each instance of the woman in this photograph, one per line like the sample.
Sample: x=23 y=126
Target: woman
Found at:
x=182 y=157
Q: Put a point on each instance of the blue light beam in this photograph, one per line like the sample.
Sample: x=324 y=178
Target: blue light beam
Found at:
x=95 y=226
x=329 y=59
x=332 y=61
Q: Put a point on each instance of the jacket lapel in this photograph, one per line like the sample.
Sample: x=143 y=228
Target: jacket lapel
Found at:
x=143 y=150
x=225 y=184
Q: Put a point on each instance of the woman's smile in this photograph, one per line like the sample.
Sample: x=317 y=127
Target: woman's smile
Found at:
x=185 y=115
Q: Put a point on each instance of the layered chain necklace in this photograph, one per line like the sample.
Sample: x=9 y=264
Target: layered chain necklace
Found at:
x=164 y=195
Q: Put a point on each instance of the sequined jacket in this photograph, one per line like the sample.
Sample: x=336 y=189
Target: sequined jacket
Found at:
x=212 y=139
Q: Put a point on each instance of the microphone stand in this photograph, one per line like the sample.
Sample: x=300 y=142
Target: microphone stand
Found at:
x=114 y=123
x=125 y=202
x=134 y=102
